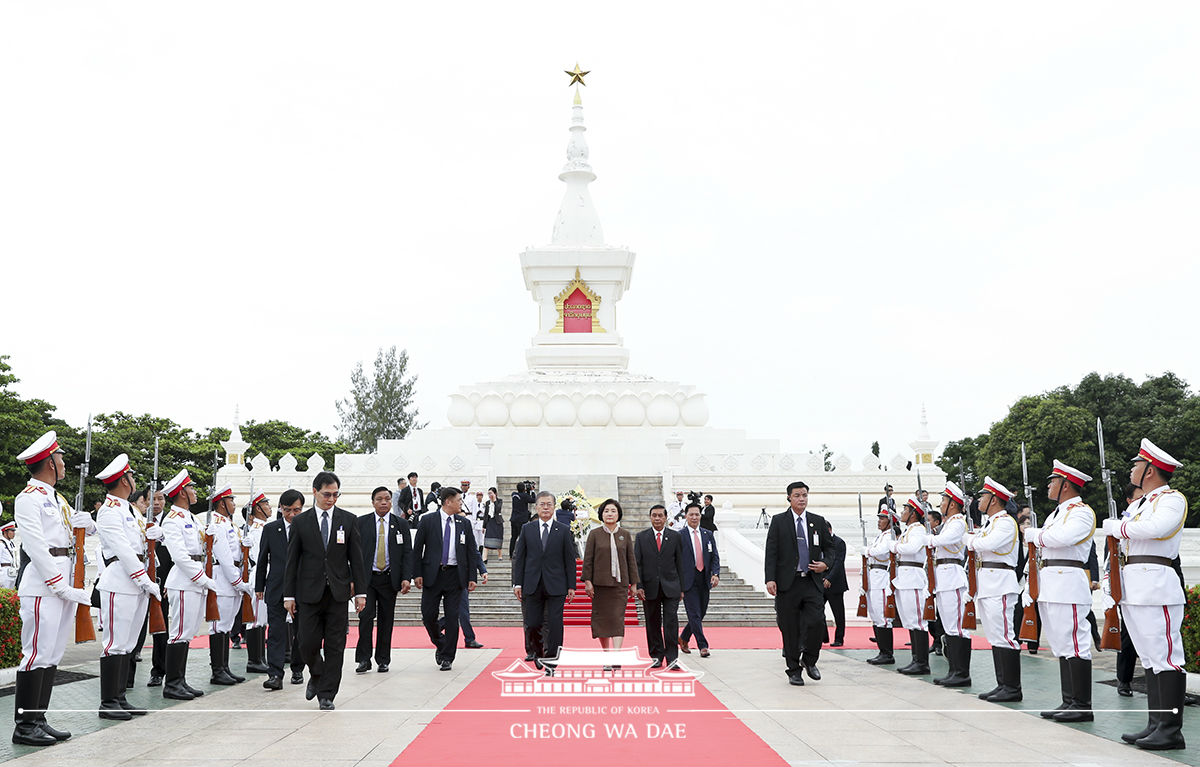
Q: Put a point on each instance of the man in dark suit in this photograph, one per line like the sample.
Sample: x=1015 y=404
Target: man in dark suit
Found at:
x=887 y=502
x=708 y=515
x=796 y=556
x=835 y=589
x=445 y=567
x=544 y=578
x=411 y=503
x=268 y=584
x=387 y=551
x=701 y=568
x=658 y=551
x=324 y=569
x=518 y=513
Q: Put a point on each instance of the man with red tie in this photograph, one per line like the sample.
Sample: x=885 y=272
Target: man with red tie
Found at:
x=702 y=564
x=658 y=551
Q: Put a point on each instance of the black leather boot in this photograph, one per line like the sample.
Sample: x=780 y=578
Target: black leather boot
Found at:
x=110 y=678
x=1064 y=682
x=254 y=652
x=949 y=642
x=228 y=671
x=183 y=677
x=129 y=662
x=961 y=649
x=174 y=687
x=44 y=703
x=130 y=669
x=27 y=695
x=218 y=644
x=1168 y=735
x=1010 y=668
x=883 y=639
x=1080 y=709
x=1152 y=702
x=920 y=654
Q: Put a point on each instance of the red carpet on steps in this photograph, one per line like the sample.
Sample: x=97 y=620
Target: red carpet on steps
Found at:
x=719 y=637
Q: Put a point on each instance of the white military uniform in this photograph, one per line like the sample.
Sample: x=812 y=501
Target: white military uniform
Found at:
x=43 y=517
x=1152 y=600
x=253 y=538
x=996 y=587
x=123 y=585
x=1065 y=590
x=8 y=563
x=950 y=588
x=227 y=571
x=676 y=508
x=184 y=538
x=911 y=583
x=879 y=584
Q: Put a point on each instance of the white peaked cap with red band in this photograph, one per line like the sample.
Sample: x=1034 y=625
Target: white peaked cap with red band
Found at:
x=1151 y=452
x=914 y=503
x=225 y=491
x=891 y=515
x=257 y=499
x=954 y=493
x=41 y=449
x=8 y=526
x=177 y=483
x=995 y=488
x=115 y=470
x=1072 y=475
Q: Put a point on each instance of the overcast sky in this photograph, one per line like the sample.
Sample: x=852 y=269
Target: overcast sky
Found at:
x=840 y=211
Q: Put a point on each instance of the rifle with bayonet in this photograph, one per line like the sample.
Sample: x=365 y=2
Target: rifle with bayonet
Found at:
x=248 y=616
x=157 y=625
x=84 y=630
x=930 y=612
x=212 y=612
x=862 y=598
x=1110 y=638
x=889 y=604
x=1029 y=628
x=968 y=620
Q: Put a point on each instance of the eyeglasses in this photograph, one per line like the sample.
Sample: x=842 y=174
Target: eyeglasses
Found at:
x=330 y=496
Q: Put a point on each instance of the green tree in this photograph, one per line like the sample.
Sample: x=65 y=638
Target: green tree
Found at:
x=967 y=449
x=275 y=438
x=379 y=406
x=21 y=422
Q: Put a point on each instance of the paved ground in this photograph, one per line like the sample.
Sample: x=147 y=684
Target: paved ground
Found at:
x=856 y=715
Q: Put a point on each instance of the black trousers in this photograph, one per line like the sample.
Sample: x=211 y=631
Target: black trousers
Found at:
x=662 y=627
x=516 y=533
x=464 y=618
x=158 y=655
x=543 y=613
x=695 y=604
x=381 y=600
x=445 y=593
x=801 y=613
x=281 y=635
x=837 y=605
x=323 y=626
x=1126 y=657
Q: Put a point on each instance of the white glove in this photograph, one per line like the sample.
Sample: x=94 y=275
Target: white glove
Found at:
x=1111 y=526
x=63 y=591
x=1027 y=600
x=1034 y=537
x=892 y=546
x=212 y=529
x=152 y=589
x=246 y=589
x=862 y=592
x=154 y=533
x=208 y=583
x=81 y=519
x=1106 y=601
x=1105 y=588
x=969 y=541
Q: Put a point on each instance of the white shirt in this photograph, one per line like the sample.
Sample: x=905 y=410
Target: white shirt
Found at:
x=381 y=522
x=452 y=558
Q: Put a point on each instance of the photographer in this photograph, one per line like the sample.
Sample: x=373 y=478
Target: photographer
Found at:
x=519 y=513
x=708 y=514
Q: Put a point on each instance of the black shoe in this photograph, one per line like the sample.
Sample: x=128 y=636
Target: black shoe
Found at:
x=796 y=678
x=175 y=688
x=326 y=704
x=273 y=683
x=658 y=663
x=883 y=638
x=297 y=677
x=257 y=668
x=1064 y=683
x=472 y=645
x=363 y=667
x=1168 y=735
x=383 y=668
x=836 y=643
x=813 y=673
x=1124 y=690
x=310 y=692
x=236 y=643
x=31 y=734
x=155 y=680
x=1010 y=670
x=444 y=665
x=46 y=690
x=27 y=695
x=219 y=676
x=530 y=658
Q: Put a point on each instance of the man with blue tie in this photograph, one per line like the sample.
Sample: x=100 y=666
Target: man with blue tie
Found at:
x=544 y=578
x=795 y=554
x=445 y=568
x=701 y=565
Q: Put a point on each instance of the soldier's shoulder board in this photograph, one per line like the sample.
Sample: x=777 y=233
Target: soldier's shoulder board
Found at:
x=32 y=488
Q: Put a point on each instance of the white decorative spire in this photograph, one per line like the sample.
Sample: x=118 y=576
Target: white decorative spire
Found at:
x=235 y=446
x=577 y=222
x=924 y=445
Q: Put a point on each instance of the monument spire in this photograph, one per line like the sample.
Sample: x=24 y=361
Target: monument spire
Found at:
x=577 y=222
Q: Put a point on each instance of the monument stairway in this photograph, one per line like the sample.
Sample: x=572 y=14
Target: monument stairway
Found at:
x=732 y=603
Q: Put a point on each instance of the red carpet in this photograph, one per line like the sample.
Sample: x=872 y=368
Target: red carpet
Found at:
x=583 y=730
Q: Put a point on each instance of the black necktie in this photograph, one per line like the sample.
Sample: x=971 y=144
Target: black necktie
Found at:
x=325 y=528
x=545 y=533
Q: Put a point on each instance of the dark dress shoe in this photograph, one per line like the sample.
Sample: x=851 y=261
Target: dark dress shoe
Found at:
x=1124 y=690
x=444 y=665
x=704 y=653
x=383 y=668
x=236 y=643
x=155 y=680
x=836 y=643
x=258 y=668
x=658 y=663
x=221 y=677
x=297 y=677
x=362 y=667
x=683 y=646
x=31 y=734
x=796 y=678
x=326 y=704
x=473 y=645
x=310 y=692
x=530 y=658
x=813 y=673
x=273 y=683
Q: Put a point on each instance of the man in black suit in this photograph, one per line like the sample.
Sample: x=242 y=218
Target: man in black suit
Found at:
x=268 y=584
x=659 y=555
x=411 y=502
x=835 y=589
x=544 y=577
x=700 y=574
x=518 y=513
x=887 y=502
x=324 y=568
x=708 y=515
x=387 y=547
x=797 y=554
x=445 y=567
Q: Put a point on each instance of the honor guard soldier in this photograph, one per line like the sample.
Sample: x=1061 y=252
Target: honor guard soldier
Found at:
x=227 y=573
x=879 y=586
x=950 y=593
x=256 y=652
x=1063 y=544
x=186 y=584
x=48 y=602
x=998 y=547
x=125 y=588
x=8 y=556
x=1152 y=599
x=912 y=586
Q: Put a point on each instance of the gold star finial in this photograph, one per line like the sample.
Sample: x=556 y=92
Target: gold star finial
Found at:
x=577 y=75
